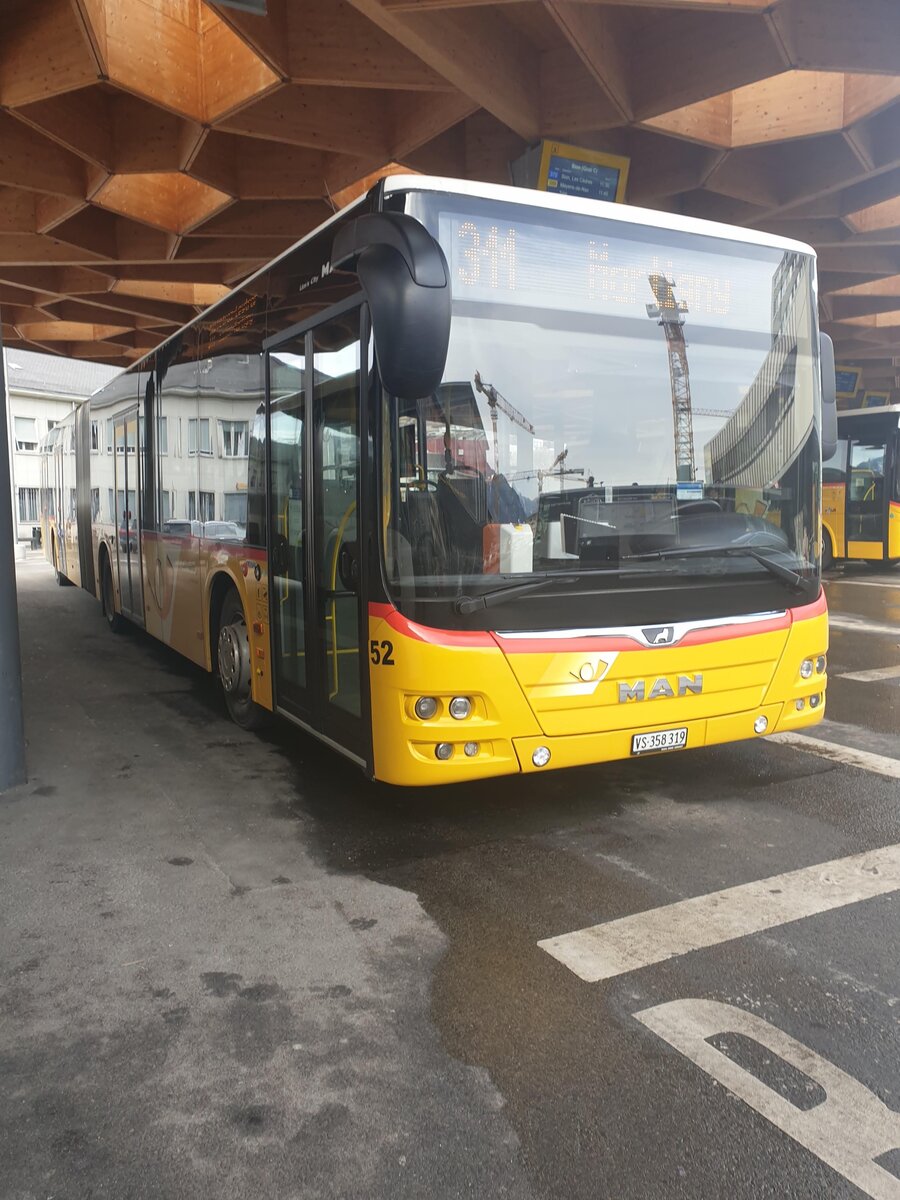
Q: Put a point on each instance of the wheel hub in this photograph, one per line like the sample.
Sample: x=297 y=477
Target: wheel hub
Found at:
x=234 y=659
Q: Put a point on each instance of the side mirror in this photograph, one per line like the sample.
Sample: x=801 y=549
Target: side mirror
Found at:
x=406 y=281
x=829 y=397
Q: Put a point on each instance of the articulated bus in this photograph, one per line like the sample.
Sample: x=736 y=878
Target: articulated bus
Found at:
x=861 y=488
x=477 y=480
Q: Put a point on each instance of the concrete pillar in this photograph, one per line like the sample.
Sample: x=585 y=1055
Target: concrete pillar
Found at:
x=12 y=726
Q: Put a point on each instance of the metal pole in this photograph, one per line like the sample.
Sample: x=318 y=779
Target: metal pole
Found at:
x=12 y=726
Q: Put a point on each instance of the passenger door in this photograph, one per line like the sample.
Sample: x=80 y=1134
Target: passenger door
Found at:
x=128 y=521
x=316 y=602
x=866 y=507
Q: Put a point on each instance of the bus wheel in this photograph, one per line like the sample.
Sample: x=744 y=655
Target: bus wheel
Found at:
x=114 y=620
x=61 y=580
x=235 y=666
x=827 y=552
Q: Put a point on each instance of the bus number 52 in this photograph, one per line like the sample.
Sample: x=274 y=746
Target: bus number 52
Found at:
x=382 y=653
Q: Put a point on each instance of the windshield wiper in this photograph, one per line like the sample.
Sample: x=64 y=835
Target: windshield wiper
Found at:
x=779 y=570
x=470 y=604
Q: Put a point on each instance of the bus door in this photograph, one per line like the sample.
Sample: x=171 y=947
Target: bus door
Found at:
x=316 y=601
x=128 y=524
x=866 y=502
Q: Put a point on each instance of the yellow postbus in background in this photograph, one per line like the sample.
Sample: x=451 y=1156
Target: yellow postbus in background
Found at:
x=861 y=488
x=476 y=480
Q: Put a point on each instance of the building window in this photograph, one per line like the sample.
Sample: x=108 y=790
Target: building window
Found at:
x=28 y=503
x=165 y=506
x=235 y=507
x=192 y=506
x=26 y=435
x=51 y=425
x=234 y=438
x=207 y=506
x=198 y=436
x=109 y=435
x=95 y=437
x=162 y=435
x=95 y=504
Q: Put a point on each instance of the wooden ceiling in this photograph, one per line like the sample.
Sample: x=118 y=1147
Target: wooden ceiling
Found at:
x=154 y=152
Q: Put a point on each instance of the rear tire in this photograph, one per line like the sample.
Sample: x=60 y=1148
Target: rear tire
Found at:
x=114 y=620
x=827 y=552
x=235 y=666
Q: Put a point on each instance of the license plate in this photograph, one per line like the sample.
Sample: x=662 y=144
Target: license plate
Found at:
x=664 y=739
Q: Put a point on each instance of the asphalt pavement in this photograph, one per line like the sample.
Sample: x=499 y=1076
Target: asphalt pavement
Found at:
x=231 y=967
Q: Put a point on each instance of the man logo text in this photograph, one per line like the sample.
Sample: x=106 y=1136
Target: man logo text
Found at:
x=662 y=689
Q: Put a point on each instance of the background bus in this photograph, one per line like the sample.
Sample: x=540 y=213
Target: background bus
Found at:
x=861 y=488
x=448 y=485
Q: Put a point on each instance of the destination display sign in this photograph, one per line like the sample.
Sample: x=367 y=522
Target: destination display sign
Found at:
x=542 y=266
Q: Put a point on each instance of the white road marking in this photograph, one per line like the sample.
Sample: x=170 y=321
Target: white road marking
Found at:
x=848 y=1130
x=865 y=582
x=860 y=625
x=629 y=943
x=879 y=763
x=872 y=676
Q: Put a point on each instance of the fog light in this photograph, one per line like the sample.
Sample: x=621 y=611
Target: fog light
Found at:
x=541 y=756
x=426 y=707
x=815 y=701
x=761 y=724
x=460 y=707
x=443 y=751
x=820 y=664
x=800 y=704
x=806 y=668
x=471 y=749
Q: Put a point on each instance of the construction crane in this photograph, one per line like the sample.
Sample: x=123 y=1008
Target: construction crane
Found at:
x=670 y=313
x=495 y=402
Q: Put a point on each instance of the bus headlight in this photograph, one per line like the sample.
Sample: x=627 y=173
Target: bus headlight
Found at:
x=541 y=756
x=426 y=707
x=820 y=665
x=460 y=707
x=806 y=668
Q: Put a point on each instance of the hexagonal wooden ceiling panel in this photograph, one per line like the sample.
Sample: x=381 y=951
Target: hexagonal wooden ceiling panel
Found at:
x=154 y=152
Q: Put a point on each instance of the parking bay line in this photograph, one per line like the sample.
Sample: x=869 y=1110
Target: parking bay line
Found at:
x=871 y=676
x=880 y=764
x=658 y=934
x=859 y=625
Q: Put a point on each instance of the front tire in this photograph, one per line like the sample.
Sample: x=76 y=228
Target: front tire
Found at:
x=235 y=666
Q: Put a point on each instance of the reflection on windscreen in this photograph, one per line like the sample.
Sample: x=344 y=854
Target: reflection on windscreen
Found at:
x=607 y=398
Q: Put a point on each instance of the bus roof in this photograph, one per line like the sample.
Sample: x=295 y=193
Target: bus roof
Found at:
x=875 y=411
x=625 y=213
x=510 y=195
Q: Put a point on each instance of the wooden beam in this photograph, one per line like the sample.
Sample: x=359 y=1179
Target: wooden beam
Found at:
x=479 y=52
x=572 y=102
x=414 y=121
x=232 y=73
x=332 y=44
x=272 y=218
x=684 y=57
x=80 y=121
x=832 y=35
x=600 y=37
x=266 y=36
x=148 y=138
x=28 y=160
x=44 y=52
x=348 y=120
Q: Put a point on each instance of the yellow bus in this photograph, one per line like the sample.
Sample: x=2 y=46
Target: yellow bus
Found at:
x=861 y=488
x=474 y=480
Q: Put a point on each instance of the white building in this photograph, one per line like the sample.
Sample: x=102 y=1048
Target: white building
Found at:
x=40 y=390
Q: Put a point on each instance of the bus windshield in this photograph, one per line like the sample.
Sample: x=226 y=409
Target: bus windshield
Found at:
x=620 y=403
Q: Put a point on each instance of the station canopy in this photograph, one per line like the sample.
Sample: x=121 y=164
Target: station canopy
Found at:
x=155 y=152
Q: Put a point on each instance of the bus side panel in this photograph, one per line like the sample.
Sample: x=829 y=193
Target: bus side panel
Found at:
x=833 y=516
x=894 y=529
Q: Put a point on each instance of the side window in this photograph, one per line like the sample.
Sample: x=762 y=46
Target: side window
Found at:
x=835 y=469
x=867 y=473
